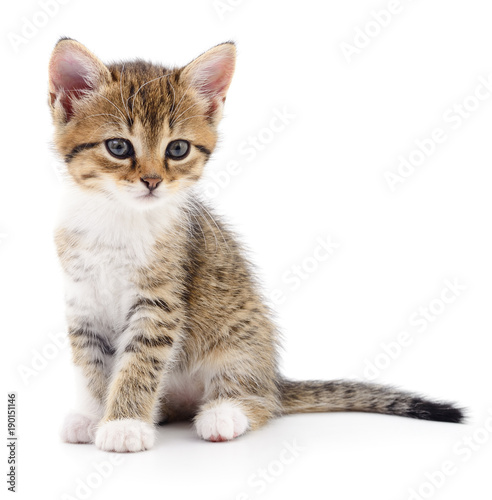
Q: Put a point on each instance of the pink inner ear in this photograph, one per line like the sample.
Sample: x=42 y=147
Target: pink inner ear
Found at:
x=71 y=75
x=68 y=74
x=213 y=77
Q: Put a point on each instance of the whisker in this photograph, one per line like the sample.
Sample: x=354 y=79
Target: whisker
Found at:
x=174 y=97
x=201 y=229
x=193 y=208
x=99 y=128
x=189 y=118
x=199 y=207
x=181 y=114
x=190 y=212
x=179 y=103
x=146 y=83
x=112 y=103
x=104 y=114
x=216 y=225
x=211 y=229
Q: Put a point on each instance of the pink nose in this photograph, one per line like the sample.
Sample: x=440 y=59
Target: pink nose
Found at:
x=151 y=182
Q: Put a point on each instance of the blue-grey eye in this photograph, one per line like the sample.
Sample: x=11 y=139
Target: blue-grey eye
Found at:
x=177 y=150
x=119 y=148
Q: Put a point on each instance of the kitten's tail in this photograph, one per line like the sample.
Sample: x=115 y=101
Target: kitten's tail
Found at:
x=344 y=395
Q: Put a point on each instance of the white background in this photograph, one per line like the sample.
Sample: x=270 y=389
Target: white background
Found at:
x=322 y=176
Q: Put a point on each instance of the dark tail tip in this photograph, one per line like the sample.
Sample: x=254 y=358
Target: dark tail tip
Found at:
x=439 y=412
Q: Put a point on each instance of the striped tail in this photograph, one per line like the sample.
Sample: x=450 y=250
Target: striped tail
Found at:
x=345 y=395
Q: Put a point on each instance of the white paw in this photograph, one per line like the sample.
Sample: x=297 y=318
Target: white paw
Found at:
x=78 y=428
x=125 y=435
x=221 y=423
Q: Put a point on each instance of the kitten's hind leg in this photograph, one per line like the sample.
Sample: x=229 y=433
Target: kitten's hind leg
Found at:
x=221 y=420
x=232 y=406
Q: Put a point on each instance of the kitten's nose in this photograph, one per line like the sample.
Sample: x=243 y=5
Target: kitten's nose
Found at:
x=151 y=182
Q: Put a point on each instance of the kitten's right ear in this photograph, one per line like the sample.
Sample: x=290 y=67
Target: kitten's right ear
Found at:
x=73 y=72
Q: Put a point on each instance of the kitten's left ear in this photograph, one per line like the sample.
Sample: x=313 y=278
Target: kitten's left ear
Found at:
x=211 y=74
x=73 y=72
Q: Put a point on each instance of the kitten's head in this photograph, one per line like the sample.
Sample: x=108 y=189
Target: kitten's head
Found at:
x=136 y=131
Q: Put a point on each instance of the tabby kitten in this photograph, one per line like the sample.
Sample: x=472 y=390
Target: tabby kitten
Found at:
x=165 y=319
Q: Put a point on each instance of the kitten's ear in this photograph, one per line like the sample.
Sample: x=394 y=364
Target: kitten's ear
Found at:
x=211 y=74
x=73 y=71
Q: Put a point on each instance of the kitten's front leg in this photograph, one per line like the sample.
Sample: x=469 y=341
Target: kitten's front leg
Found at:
x=80 y=425
x=147 y=344
x=91 y=354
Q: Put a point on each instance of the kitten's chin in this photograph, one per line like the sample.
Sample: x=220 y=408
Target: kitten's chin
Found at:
x=144 y=203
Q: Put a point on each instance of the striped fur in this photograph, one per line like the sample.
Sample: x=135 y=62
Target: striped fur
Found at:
x=166 y=321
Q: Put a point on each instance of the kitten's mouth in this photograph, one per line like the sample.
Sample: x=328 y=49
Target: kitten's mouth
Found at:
x=148 y=196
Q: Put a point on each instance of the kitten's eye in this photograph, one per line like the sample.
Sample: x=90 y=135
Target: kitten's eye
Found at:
x=177 y=150
x=119 y=148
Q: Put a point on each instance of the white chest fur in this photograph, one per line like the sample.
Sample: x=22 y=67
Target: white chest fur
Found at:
x=112 y=243
x=100 y=285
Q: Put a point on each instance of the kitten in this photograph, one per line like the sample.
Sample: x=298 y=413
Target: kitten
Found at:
x=165 y=318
